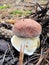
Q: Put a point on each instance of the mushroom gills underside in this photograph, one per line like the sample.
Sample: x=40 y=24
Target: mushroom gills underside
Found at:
x=29 y=44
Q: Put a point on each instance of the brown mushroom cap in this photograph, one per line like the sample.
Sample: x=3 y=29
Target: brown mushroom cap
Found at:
x=27 y=28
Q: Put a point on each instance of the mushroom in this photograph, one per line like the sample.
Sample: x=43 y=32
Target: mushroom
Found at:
x=26 y=33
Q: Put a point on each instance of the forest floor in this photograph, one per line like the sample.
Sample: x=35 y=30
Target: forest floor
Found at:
x=10 y=10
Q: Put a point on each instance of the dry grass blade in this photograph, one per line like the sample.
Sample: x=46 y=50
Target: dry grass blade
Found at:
x=40 y=60
x=30 y=59
x=47 y=61
x=11 y=52
x=47 y=51
x=44 y=56
x=21 y=56
x=4 y=57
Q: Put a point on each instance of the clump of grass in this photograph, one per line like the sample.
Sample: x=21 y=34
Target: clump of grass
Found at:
x=4 y=6
x=16 y=12
x=20 y=12
x=27 y=12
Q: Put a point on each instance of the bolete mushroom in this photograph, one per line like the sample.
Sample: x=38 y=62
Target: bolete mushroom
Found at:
x=26 y=33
